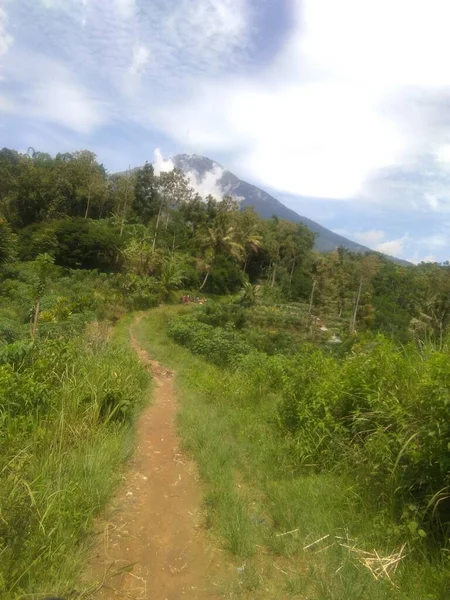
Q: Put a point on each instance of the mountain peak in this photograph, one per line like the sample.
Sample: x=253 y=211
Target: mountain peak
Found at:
x=266 y=205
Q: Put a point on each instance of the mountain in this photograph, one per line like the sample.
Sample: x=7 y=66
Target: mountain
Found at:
x=205 y=169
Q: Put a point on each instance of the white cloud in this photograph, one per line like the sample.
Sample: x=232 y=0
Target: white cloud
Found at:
x=126 y=8
x=350 y=90
x=140 y=59
x=376 y=41
x=161 y=164
x=5 y=104
x=436 y=240
x=375 y=239
x=335 y=106
x=393 y=247
x=51 y=94
x=370 y=237
x=443 y=155
x=208 y=184
x=432 y=200
x=417 y=258
x=66 y=104
x=6 y=39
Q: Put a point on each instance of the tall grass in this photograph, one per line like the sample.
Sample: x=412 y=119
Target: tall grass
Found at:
x=267 y=499
x=67 y=416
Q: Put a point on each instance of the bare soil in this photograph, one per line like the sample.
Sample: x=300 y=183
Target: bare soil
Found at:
x=153 y=547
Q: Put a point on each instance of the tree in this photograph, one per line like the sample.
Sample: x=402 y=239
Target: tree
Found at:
x=87 y=244
x=44 y=264
x=367 y=268
x=91 y=180
x=174 y=191
x=139 y=254
x=173 y=274
x=288 y=245
x=248 y=225
x=123 y=190
x=433 y=310
x=30 y=194
x=8 y=245
x=39 y=238
x=220 y=237
x=194 y=213
x=146 y=198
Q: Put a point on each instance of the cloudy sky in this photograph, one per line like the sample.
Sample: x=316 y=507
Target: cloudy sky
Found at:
x=341 y=109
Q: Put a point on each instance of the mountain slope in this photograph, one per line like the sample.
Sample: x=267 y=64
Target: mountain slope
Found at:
x=264 y=204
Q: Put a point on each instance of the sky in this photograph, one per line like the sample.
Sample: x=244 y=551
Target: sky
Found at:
x=340 y=109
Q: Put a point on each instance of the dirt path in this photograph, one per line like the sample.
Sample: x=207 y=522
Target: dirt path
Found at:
x=154 y=534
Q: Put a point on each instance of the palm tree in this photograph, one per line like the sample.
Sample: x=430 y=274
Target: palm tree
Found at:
x=250 y=294
x=172 y=274
x=219 y=238
x=248 y=234
x=139 y=251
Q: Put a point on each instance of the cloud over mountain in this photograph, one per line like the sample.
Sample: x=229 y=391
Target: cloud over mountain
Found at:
x=338 y=102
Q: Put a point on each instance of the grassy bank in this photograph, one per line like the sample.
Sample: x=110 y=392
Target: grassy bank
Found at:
x=270 y=514
x=67 y=415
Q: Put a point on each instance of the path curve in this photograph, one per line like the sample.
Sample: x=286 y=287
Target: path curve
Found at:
x=156 y=515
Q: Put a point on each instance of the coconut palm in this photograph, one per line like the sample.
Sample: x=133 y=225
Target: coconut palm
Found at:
x=219 y=238
x=248 y=234
x=172 y=274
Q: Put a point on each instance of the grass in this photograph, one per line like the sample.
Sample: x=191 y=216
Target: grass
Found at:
x=264 y=512
x=58 y=474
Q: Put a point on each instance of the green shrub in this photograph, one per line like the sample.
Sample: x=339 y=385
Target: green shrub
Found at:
x=139 y=293
x=218 y=345
x=222 y=314
x=65 y=415
x=87 y=244
x=225 y=278
x=379 y=411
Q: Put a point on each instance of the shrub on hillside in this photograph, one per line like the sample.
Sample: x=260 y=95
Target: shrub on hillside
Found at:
x=222 y=315
x=64 y=414
x=386 y=411
x=225 y=278
x=219 y=346
x=39 y=238
x=139 y=293
x=381 y=412
x=87 y=244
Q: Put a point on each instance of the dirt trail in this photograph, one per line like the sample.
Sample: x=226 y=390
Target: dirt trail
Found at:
x=155 y=517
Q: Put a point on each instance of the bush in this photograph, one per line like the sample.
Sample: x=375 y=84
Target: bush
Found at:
x=139 y=293
x=87 y=244
x=9 y=331
x=380 y=412
x=39 y=238
x=222 y=315
x=219 y=346
x=226 y=277
x=65 y=411
x=387 y=412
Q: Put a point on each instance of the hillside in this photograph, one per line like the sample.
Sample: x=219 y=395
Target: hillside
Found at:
x=265 y=204
x=309 y=392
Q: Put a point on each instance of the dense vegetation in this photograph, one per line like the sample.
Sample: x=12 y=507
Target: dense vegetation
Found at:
x=380 y=410
x=340 y=361
x=157 y=234
x=69 y=393
x=307 y=499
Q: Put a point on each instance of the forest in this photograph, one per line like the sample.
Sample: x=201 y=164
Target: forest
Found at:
x=326 y=376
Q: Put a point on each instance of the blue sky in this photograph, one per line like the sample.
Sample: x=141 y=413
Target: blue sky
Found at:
x=341 y=109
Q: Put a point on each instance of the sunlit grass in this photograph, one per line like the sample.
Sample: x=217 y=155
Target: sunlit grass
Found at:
x=63 y=466
x=264 y=511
